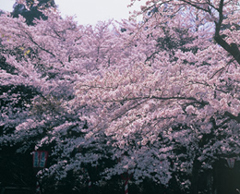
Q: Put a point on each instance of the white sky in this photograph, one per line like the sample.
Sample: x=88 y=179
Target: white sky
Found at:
x=88 y=11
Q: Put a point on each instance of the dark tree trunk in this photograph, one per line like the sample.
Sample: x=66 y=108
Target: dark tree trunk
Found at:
x=195 y=176
x=232 y=48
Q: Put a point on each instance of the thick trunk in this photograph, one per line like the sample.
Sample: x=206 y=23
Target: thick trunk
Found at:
x=232 y=48
x=195 y=176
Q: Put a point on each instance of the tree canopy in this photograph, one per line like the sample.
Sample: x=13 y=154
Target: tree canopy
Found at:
x=158 y=100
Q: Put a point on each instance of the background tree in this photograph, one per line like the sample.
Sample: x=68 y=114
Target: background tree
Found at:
x=32 y=10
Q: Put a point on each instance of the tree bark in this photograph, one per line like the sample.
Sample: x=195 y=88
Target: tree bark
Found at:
x=232 y=48
x=195 y=176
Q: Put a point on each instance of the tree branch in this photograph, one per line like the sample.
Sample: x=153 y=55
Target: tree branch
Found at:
x=232 y=49
x=231 y=116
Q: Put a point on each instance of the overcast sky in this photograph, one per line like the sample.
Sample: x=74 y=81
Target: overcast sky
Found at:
x=88 y=11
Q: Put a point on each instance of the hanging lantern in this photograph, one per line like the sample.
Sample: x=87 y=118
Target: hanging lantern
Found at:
x=39 y=159
x=230 y=162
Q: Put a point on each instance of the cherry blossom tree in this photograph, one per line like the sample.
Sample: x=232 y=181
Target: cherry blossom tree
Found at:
x=157 y=101
x=179 y=111
x=38 y=75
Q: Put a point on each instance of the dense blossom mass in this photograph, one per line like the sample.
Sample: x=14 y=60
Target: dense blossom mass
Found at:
x=158 y=99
